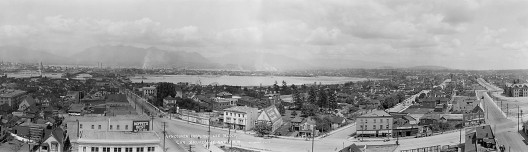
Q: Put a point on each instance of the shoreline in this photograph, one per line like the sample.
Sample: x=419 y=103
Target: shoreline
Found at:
x=251 y=80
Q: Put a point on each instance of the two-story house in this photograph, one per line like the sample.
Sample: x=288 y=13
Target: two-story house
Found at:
x=377 y=123
x=240 y=117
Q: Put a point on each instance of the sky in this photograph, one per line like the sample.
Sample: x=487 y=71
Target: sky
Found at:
x=462 y=34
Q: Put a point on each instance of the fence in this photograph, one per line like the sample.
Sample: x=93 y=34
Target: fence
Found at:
x=436 y=148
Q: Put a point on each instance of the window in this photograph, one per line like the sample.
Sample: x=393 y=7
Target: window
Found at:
x=117 y=127
x=99 y=127
x=374 y=120
x=387 y=120
x=238 y=115
x=111 y=127
x=128 y=149
x=381 y=120
x=95 y=149
x=93 y=126
x=117 y=149
x=106 y=149
x=80 y=126
x=374 y=127
x=387 y=126
x=84 y=149
x=44 y=147
x=361 y=126
x=381 y=126
x=126 y=127
x=150 y=149
x=140 y=149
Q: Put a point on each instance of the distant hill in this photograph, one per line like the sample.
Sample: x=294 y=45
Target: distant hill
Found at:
x=429 y=67
x=25 y=55
x=259 y=62
x=141 y=57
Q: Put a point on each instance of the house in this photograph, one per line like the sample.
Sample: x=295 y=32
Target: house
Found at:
x=26 y=103
x=452 y=118
x=307 y=128
x=462 y=104
x=179 y=92
x=148 y=91
x=474 y=117
x=76 y=109
x=296 y=123
x=224 y=95
x=432 y=102
x=429 y=119
x=272 y=117
x=405 y=125
x=351 y=148
x=485 y=137
x=169 y=102
x=53 y=141
x=337 y=121
x=11 y=97
x=240 y=117
x=377 y=123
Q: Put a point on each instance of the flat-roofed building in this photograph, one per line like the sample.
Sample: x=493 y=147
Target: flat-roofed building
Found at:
x=240 y=117
x=79 y=125
x=11 y=97
x=148 y=91
x=377 y=123
x=109 y=141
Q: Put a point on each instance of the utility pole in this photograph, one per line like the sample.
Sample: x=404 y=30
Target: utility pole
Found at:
x=313 y=137
x=164 y=135
x=460 y=138
x=518 y=114
x=209 y=137
x=229 y=134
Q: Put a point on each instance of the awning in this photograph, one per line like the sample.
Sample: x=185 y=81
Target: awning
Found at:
x=366 y=132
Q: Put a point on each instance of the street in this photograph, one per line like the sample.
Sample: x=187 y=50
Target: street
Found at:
x=505 y=130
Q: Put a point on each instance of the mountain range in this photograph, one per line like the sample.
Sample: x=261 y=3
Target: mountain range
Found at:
x=129 y=56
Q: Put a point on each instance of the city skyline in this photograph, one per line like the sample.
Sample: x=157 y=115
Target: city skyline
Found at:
x=468 y=34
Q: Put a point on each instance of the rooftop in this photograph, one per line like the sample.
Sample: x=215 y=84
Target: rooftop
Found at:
x=117 y=137
x=241 y=109
x=7 y=93
x=105 y=118
x=377 y=113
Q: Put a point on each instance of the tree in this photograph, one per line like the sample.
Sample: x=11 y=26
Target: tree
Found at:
x=297 y=100
x=309 y=109
x=262 y=129
x=285 y=89
x=281 y=109
x=323 y=99
x=312 y=96
x=323 y=124
x=276 y=87
x=163 y=90
x=332 y=100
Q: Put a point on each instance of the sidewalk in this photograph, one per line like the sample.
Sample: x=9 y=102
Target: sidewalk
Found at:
x=212 y=127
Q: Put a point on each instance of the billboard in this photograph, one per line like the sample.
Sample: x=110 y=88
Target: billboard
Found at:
x=140 y=126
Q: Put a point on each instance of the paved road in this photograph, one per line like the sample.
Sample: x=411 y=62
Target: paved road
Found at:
x=505 y=130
